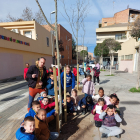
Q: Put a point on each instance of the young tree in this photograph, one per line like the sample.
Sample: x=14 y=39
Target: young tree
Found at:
x=58 y=60
x=101 y=50
x=73 y=49
x=113 y=46
x=135 y=32
x=78 y=12
x=84 y=53
x=28 y=15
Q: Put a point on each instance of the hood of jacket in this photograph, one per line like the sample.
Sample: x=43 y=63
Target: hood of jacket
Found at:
x=21 y=135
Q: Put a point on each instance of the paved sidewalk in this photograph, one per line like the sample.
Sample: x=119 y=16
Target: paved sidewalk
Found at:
x=13 y=107
x=129 y=107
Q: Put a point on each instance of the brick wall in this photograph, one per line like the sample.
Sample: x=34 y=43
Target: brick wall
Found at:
x=110 y=21
x=64 y=35
x=119 y=17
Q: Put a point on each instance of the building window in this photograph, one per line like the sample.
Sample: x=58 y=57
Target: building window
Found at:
x=120 y=36
x=47 y=41
x=28 y=34
x=122 y=57
x=129 y=57
x=105 y=23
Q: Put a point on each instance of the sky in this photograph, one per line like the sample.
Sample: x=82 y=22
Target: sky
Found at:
x=97 y=10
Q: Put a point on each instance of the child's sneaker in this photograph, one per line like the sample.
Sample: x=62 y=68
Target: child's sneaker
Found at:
x=104 y=135
x=118 y=136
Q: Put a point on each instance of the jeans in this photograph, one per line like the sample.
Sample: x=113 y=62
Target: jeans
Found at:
x=86 y=109
x=68 y=89
x=53 y=135
x=111 y=131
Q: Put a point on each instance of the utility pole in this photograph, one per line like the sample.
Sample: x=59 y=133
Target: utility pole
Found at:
x=58 y=63
x=77 y=33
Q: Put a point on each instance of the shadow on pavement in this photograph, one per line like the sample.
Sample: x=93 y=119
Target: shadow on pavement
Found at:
x=130 y=102
x=12 y=98
x=122 y=109
x=105 y=81
x=120 y=72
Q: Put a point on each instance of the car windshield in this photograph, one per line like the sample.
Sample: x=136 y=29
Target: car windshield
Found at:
x=91 y=62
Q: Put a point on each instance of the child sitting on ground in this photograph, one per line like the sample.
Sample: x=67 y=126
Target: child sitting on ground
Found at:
x=97 y=111
x=109 y=127
x=86 y=104
x=27 y=132
x=50 y=85
x=70 y=105
x=88 y=86
x=99 y=95
x=43 y=94
x=34 y=110
x=45 y=104
x=74 y=98
x=42 y=131
x=112 y=99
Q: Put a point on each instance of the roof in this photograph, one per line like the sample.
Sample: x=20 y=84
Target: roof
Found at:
x=117 y=25
x=134 y=10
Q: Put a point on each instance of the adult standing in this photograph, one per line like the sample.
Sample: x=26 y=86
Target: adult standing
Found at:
x=37 y=79
x=96 y=70
x=25 y=70
x=70 y=80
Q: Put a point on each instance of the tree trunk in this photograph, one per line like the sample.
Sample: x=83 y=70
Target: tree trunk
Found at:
x=58 y=60
x=138 y=72
x=77 y=34
x=101 y=61
x=110 y=63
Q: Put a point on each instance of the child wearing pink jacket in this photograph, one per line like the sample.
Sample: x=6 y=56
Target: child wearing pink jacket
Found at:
x=88 y=86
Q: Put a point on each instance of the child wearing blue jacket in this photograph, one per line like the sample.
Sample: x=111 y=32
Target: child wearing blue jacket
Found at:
x=86 y=104
x=70 y=105
x=27 y=132
x=70 y=80
x=50 y=85
x=34 y=110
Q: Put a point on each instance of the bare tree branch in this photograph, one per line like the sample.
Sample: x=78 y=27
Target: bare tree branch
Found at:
x=44 y=15
x=27 y=14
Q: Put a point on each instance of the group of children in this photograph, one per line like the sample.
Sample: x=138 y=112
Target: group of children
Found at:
x=104 y=108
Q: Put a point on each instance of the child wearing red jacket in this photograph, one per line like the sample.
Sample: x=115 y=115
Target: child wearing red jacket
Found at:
x=88 y=71
x=96 y=112
x=75 y=72
x=45 y=103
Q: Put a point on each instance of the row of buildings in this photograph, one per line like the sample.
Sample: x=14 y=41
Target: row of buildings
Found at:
x=24 y=42
x=117 y=27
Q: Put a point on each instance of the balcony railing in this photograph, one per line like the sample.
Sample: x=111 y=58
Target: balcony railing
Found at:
x=120 y=38
x=116 y=38
x=102 y=39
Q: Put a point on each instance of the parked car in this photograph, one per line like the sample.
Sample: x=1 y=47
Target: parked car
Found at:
x=91 y=64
